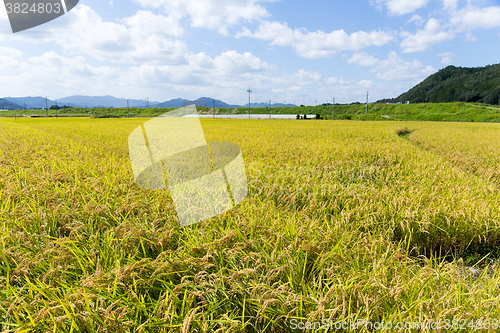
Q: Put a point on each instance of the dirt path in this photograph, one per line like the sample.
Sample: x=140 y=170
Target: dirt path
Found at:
x=486 y=107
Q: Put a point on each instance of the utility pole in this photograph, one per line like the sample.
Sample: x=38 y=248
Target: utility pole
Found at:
x=57 y=107
x=25 y=109
x=214 y=107
x=46 y=108
x=366 y=112
x=269 y=109
x=249 y=92
x=333 y=110
x=128 y=110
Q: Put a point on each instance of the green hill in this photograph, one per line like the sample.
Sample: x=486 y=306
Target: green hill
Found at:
x=5 y=104
x=457 y=84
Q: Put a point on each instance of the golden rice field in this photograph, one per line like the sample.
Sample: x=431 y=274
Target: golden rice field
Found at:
x=345 y=221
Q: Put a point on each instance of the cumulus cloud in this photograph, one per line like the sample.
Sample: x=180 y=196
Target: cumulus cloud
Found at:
x=432 y=34
x=226 y=76
x=471 y=17
x=74 y=75
x=363 y=59
x=142 y=37
x=458 y=20
x=307 y=77
x=417 y=19
x=394 y=68
x=469 y=37
x=450 y=4
x=447 y=57
x=319 y=44
x=9 y=51
x=401 y=7
x=236 y=63
x=201 y=74
x=212 y=14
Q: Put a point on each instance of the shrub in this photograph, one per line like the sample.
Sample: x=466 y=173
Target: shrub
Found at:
x=344 y=117
x=470 y=97
x=403 y=131
x=493 y=97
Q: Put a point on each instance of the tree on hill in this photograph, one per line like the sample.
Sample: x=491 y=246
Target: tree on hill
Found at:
x=452 y=84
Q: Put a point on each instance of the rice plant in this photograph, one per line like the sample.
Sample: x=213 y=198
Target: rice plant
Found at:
x=345 y=222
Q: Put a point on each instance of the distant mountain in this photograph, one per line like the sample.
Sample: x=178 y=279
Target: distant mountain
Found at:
x=203 y=101
x=452 y=84
x=36 y=102
x=102 y=102
x=8 y=105
x=110 y=101
x=31 y=102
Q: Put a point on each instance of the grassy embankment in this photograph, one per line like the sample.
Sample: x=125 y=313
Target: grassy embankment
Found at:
x=342 y=222
x=468 y=112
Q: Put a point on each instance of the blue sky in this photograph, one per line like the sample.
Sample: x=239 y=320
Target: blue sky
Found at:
x=289 y=50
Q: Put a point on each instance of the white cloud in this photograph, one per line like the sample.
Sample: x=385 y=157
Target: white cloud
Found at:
x=470 y=37
x=10 y=64
x=447 y=57
x=450 y=4
x=363 y=59
x=306 y=77
x=471 y=17
x=394 y=68
x=236 y=63
x=347 y=91
x=319 y=44
x=212 y=14
x=203 y=75
x=417 y=19
x=401 y=7
x=226 y=76
x=432 y=34
x=143 y=37
x=74 y=75
x=3 y=13
x=147 y=23
x=464 y=19
x=9 y=51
